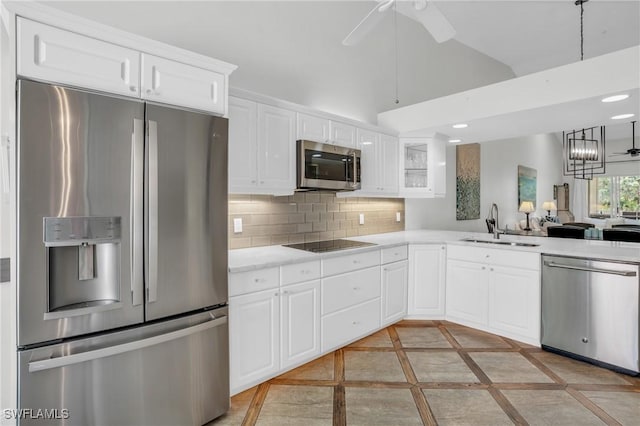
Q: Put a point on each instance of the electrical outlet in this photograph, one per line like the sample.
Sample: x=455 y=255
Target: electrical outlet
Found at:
x=361 y=218
x=398 y=217
x=237 y=225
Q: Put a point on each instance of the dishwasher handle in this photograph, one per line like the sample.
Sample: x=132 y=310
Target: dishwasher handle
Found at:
x=587 y=269
x=77 y=358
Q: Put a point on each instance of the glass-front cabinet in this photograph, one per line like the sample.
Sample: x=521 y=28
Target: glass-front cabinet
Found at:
x=422 y=167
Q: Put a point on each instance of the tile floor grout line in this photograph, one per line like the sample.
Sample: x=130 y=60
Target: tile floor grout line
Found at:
x=542 y=367
x=592 y=407
x=424 y=410
x=507 y=407
x=255 y=406
x=339 y=406
x=452 y=340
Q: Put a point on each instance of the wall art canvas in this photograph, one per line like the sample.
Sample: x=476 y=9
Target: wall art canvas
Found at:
x=527 y=185
x=468 y=181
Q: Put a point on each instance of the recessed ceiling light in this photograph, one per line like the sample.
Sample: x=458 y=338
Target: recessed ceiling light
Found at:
x=460 y=126
x=622 y=116
x=615 y=98
x=455 y=140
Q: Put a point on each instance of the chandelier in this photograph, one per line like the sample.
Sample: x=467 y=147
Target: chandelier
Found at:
x=583 y=151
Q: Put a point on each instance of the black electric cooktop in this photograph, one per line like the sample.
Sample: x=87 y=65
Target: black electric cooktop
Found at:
x=329 y=245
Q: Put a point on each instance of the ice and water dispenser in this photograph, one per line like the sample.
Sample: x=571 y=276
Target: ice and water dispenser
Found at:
x=83 y=263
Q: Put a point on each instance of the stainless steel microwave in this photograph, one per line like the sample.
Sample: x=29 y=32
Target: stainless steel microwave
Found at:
x=325 y=166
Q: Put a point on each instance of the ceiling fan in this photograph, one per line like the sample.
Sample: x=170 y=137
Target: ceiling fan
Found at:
x=633 y=151
x=424 y=12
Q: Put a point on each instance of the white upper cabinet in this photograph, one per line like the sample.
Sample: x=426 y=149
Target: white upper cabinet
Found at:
x=57 y=56
x=422 y=167
x=312 y=128
x=343 y=134
x=261 y=148
x=276 y=149
x=243 y=121
x=379 y=163
x=368 y=143
x=388 y=160
x=175 y=83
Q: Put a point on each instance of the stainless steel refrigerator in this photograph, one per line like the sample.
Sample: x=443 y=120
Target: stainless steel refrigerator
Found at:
x=122 y=260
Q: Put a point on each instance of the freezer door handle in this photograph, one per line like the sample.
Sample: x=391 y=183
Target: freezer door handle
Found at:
x=136 y=213
x=588 y=269
x=64 y=361
x=152 y=263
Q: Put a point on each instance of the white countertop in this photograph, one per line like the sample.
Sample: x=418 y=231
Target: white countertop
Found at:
x=269 y=256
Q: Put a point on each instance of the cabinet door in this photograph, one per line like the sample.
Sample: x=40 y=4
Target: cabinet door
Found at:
x=438 y=166
x=176 y=83
x=467 y=298
x=514 y=302
x=426 y=280
x=58 y=56
x=394 y=292
x=369 y=174
x=254 y=339
x=343 y=134
x=276 y=149
x=243 y=169
x=388 y=156
x=416 y=174
x=300 y=323
x=313 y=128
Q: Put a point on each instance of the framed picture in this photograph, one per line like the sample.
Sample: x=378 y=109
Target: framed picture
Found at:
x=527 y=185
x=468 y=181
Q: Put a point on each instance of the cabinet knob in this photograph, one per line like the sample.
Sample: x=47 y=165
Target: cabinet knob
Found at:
x=585 y=340
x=487 y=255
x=483 y=268
x=356 y=288
x=261 y=182
x=253 y=181
x=355 y=322
x=276 y=294
x=133 y=88
x=356 y=261
x=491 y=269
x=149 y=91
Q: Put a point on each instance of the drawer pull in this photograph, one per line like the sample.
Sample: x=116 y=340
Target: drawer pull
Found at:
x=355 y=322
x=396 y=254
x=305 y=272
x=259 y=280
x=487 y=255
x=356 y=261
x=276 y=294
x=356 y=288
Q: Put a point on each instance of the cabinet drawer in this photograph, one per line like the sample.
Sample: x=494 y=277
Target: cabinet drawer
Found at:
x=339 y=265
x=394 y=254
x=251 y=281
x=344 y=326
x=300 y=272
x=349 y=289
x=59 y=56
x=506 y=257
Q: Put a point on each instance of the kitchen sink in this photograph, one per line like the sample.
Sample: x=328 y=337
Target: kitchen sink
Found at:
x=501 y=243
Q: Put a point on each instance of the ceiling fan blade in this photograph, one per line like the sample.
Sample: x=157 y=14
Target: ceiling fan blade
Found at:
x=435 y=22
x=367 y=24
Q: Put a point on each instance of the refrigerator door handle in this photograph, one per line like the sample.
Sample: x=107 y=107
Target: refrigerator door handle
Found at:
x=136 y=213
x=67 y=360
x=152 y=246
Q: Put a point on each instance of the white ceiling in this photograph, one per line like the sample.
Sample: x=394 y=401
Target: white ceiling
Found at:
x=532 y=36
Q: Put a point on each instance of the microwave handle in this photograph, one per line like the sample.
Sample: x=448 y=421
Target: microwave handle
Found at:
x=355 y=169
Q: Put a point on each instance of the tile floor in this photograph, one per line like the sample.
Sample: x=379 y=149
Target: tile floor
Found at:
x=435 y=372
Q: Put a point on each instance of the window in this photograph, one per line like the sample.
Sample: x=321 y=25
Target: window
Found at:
x=613 y=196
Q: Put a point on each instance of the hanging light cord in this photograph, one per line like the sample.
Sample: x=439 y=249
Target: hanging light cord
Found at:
x=581 y=3
x=395 y=27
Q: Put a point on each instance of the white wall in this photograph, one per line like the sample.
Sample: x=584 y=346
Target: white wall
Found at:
x=293 y=50
x=498 y=184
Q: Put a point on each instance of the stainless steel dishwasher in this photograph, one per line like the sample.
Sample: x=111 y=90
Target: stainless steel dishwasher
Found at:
x=590 y=310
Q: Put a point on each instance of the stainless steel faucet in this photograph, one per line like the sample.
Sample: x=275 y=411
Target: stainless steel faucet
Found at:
x=494 y=221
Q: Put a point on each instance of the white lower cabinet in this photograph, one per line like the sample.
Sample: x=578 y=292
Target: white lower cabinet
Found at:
x=299 y=323
x=467 y=292
x=254 y=338
x=514 y=302
x=349 y=324
x=394 y=292
x=495 y=290
x=427 y=281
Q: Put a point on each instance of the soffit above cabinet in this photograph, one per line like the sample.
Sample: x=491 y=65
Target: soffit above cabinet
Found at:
x=549 y=101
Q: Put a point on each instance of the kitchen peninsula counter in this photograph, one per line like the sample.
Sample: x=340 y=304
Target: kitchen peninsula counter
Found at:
x=269 y=256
